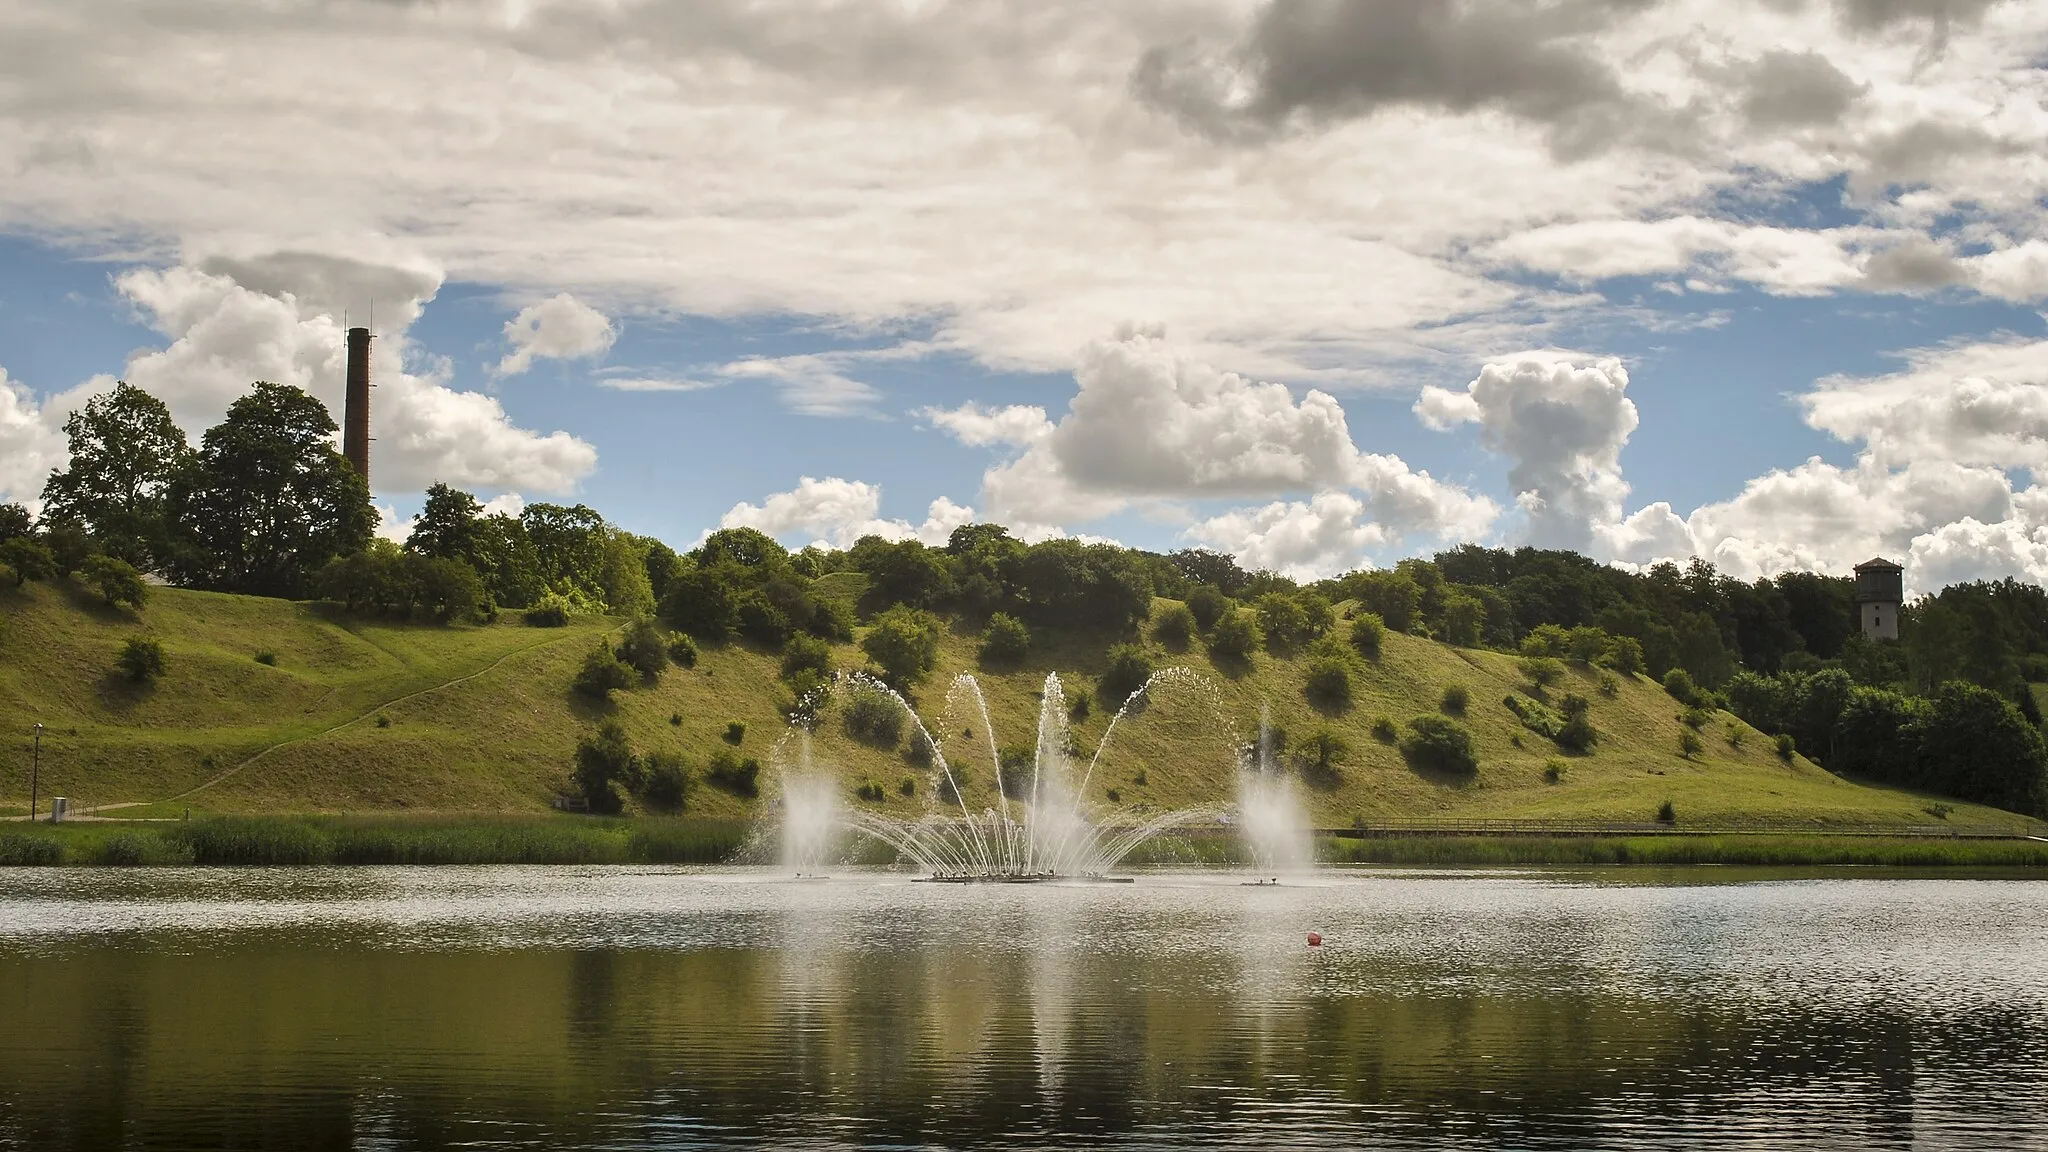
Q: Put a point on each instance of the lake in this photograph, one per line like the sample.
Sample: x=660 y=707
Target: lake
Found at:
x=629 y=1008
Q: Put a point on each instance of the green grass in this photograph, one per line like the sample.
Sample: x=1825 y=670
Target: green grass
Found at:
x=481 y=720
x=1769 y=850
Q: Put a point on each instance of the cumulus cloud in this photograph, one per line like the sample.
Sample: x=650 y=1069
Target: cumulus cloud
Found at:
x=31 y=444
x=1981 y=403
x=839 y=512
x=1147 y=425
x=1306 y=540
x=558 y=328
x=1562 y=427
x=1789 y=89
x=223 y=335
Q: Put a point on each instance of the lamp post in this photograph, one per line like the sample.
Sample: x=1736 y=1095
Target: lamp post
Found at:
x=35 y=767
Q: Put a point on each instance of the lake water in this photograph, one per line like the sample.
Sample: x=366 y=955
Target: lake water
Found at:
x=656 y=1008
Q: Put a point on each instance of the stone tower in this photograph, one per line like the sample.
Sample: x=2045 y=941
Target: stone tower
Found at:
x=1880 y=593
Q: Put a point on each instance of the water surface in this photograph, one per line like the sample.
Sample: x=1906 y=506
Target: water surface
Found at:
x=669 y=1008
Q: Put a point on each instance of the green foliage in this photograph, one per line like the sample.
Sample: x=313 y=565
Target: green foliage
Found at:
x=604 y=760
x=1610 y=685
x=1284 y=622
x=1454 y=700
x=1208 y=605
x=1439 y=744
x=1554 y=771
x=1666 y=814
x=1078 y=706
x=1541 y=671
x=903 y=644
x=602 y=673
x=1392 y=596
x=644 y=649
x=1129 y=668
x=28 y=558
x=116 y=580
x=1690 y=746
x=1321 y=756
x=1383 y=730
x=552 y=611
x=735 y=732
x=664 y=782
x=1464 y=621
x=682 y=651
x=267 y=658
x=1695 y=718
x=871 y=792
x=1679 y=684
x=15 y=522
x=141 y=659
x=1786 y=747
x=125 y=450
x=738 y=776
x=381 y=578
x=1175 y=626
x=1975 y=745
x=1004 y=641
x=1328 y=684
x=803 y=653
x=874 y=718
x=1368 y=634
x=1234 y=639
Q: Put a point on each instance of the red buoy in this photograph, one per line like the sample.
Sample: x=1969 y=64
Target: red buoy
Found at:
x=1315 y=939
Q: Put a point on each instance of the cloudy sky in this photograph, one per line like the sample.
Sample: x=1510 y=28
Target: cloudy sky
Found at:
x=1321 y=283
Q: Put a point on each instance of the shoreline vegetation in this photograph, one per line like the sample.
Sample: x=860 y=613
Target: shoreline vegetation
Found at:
x=486 y=840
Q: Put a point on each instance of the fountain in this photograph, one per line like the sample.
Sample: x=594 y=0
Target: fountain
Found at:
x=1270 y=816
x=1035 y=830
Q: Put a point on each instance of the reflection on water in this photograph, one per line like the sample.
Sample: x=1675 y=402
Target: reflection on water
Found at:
x=623 y=1008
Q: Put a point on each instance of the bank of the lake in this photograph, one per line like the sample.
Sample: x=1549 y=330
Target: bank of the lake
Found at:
x=457 y=839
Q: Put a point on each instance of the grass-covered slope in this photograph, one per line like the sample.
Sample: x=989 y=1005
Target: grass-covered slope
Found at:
x=362 y=715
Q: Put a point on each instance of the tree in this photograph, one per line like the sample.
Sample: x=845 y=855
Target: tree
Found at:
x=904 y=644
x=268 y=500
x=1439 y=744
x=117 y=580
x=1542 y=671
x=602 y=673
x=1234 y=639
x=28 y=558
x=1975 y=745
x=644 y=649
x=622 y=575
x=1283 y=620
x=141 y=659
x=1321 y=754
x=1175 y=626
x=1367 y=634
x=1464 y=620
x=1209 y=606
x=665 y=781
x=1129 y=669
x=1392 y=596
x=1213 y=569
x=447 y=525
x=1004 y=640
x=125 y=451
x=15 y=522
x=874 y=718
x=604 y=758
x=1328 y=686
x=703 y=602
x=568 y=547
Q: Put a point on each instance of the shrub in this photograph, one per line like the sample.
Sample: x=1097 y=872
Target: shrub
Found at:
x=871 y=792
x=1078 y=706
x=1666 y=814
x=28 y=559
x=734 y=775
x=1678 y=682
x=117 y=580
x=267 y=657
x=665 y=782
x=1786 y=747
x=1368 y=634
x=904 y=644
x=1329 y=683
x=1576 y=734
x=1454 y=700
x=141 y=659
x=1234 y=639
x=1553 y=771
x=602 y=673
x=1128 y=670
x=1383 y=730
x=1209 y=605
x=805 y=653
x=1175 y=626
x=1004 y=640
x=1610 y=685
x=1695 y=718
x=919 y=750
x=1542 y=671
x=1439 y=744
x=908 y=785
x=643 y=649
x=1737 y=737
x=1321 y=757
x=550 y=611
x=806 y=698
x=604 y=759
x=675 y=719
x=1689 y=744
x=1283 y=620
x=682 y=650
x=735 y=731
x=383 y=721
x=873 y=718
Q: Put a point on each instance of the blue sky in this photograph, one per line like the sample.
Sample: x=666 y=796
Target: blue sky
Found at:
x=1155 y=276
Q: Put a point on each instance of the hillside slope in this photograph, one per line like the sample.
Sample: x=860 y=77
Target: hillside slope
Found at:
x=363 y=715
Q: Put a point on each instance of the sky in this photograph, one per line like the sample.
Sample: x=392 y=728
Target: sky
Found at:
x=1318 y=283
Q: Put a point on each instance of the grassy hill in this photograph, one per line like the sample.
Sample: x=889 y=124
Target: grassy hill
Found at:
x=350 y=715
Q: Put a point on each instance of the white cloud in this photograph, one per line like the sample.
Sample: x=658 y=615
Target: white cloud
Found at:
x=653 y=384
x=504 y=503
x=1970 y=550
x=223 y=335
x=1979 y=403
x=978 y=427
x=1562 y=427
x=391 y=526
x=1324 y=536
x=31 y=444
x=558 y=328
x=814 y=385
x=838 y=512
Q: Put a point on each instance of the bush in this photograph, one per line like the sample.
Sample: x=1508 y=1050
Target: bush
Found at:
x=803 y=653
x=871 y=792
x=141 y=659
x=1678 y=682
x=1666 y=814
x=1695 y=718
x=1787 y=748
x=1553 y=771
x=1368 y=634
x=1383 y=730
x=682 y=650
x=604 y=759
x=735 y=732
x=1542 y=671
x=1004 y=640
x=1175 y=626
x=644 y=649
x=602 y=673
x=550 y=611
x=1610 y=685
x=1129 y=668
x=665 y=782
x=1207 y=606
x=1328 y=686
x=117 y=580
x=1689 y=744
x=872 y=717
x=1321 y=757
x=1234 y=639
x=1078 y=706
x=1439 y=744
x=267 y=658
x=28 y=559
x=1284 y=621
x=734 y=775
x=1454 y=700
x=907 y=786
x=904 y=644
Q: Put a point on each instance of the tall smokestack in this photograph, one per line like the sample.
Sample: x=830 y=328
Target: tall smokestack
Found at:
x=355 y=419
